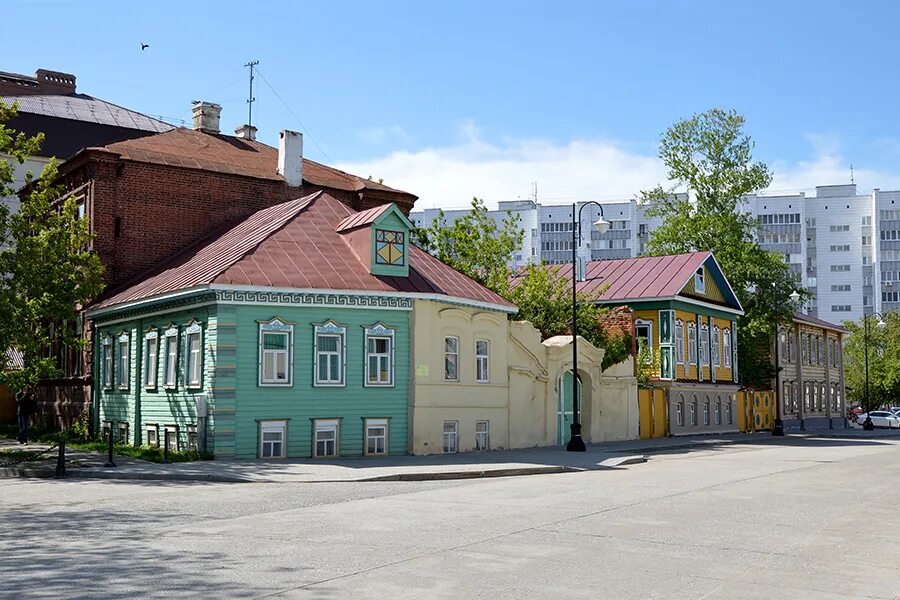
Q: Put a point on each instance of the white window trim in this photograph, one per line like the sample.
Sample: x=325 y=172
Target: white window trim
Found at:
x=380 y=422
x=445 y=354
x=330 y=328
x=151 y=371
x=123 y=364
x=704 y=337
x=487 y=362
x=379 y=330
x=649 y=326
x=276 y=326
x=154 y=427
x=279 y=425
x=716 y=346
x=486 y=433
x=173 y=437
x=454 y=433
x=194 y=328
x=692 y=344
x=325 y=425
x=726 y=347
x=108 y=362
x=170 y=334
x=679 y=342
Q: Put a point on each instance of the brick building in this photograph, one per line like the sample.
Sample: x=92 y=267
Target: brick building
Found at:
x=147 y=199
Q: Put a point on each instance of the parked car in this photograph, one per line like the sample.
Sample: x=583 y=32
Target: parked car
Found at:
x=881 y=418
x=895 y=410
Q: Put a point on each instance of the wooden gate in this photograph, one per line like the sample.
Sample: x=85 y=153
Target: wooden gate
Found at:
x=653 y=413
x=756 y=410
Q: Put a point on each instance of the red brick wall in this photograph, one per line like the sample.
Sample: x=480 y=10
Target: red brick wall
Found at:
x=163 y=209
x=620 y=319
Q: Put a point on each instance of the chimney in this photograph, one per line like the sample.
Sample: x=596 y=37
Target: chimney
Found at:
x=206 y=116
x=247 y=132
x=290 y=157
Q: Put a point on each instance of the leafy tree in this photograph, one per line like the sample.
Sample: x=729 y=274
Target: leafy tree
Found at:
x=884 y=361
x=475 y=244
x=711 y=156
x=49 y=273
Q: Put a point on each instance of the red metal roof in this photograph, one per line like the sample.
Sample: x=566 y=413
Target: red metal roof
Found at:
x=193 y=149
x=365 y=217
x=295 y=245
x=642 y=278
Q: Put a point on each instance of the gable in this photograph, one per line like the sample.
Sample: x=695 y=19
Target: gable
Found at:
x=715 y=287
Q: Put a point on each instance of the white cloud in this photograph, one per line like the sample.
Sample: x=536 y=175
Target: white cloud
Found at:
x=449 y=176
x=381 y=135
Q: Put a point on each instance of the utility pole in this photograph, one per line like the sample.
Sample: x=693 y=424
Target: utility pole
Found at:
x=250 y=99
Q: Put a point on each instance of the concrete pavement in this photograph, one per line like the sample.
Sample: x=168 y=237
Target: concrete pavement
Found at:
x=800 y=518
x=501 y=463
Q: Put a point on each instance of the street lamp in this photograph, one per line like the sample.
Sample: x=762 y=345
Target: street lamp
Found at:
x=868 y=425
x=778 y=427
x=576 y=443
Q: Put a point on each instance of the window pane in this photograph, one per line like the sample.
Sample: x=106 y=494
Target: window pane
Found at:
x=334 y=369
x=451 y=344
x=275 y=341
x=328 y=343
x=271 y=436
x=481 y=347
x=268 y=366
x=381 y=345
x=281 y=362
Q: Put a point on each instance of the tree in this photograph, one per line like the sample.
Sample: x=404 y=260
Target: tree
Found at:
x=49 y=273
x=884 y=361
x=475 y=245
x=711 y=156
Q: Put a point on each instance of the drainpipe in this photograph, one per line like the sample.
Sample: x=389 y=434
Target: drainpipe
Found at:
x=139 y=380
x=96 y=383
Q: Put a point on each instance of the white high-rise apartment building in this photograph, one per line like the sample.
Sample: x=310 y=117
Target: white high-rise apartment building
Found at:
x=843 y=246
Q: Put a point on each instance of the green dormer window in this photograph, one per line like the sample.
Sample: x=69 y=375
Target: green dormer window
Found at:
x=390 y=247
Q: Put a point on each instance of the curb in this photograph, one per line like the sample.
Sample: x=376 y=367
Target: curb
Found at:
x=75 y=473
x=447 y=475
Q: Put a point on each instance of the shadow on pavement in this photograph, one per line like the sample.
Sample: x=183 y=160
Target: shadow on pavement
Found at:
x=103 y=554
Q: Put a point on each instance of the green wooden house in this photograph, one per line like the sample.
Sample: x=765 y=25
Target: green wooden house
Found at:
x=286 y=334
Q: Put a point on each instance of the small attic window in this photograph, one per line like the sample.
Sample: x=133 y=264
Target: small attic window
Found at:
x=390 y=247
x=699 y=286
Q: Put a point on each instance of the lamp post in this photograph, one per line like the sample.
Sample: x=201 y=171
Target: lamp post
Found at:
x=868 y=425
x=778 y=427
x=576 y=443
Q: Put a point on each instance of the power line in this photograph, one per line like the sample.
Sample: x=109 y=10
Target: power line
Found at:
x=299 y=122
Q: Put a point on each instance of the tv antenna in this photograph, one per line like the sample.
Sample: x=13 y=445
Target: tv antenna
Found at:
x=851 y=174
x=250 y=99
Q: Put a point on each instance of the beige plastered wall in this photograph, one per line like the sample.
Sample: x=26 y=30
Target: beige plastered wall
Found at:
x=520 y=401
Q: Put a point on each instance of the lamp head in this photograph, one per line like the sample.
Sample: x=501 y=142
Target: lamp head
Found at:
x=601 y=225
x=881 y=323
x=795 y=297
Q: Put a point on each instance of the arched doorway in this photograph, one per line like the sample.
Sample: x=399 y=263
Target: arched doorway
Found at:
x=565 y=407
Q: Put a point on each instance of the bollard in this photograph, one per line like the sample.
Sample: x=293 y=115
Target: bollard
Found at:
x=109 y=458
x=166 y=448
x=61 y=458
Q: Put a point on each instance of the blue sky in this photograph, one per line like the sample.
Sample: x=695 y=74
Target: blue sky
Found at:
x=453 y=99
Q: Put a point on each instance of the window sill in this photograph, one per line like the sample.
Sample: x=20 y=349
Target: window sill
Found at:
x=283 y=384
x=331 y=385
x=379 y=385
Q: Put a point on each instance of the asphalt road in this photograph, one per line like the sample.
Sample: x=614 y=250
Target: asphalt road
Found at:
x=796 y=519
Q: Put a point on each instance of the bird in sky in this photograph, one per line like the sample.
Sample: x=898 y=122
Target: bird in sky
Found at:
x=144 y=46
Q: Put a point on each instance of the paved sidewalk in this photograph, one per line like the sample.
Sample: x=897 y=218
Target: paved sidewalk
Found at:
x=499 y=463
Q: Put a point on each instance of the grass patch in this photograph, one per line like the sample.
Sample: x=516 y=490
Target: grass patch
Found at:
x=148 y=453
x=15 y=456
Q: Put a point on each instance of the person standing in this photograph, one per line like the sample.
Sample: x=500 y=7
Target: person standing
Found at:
x=24 y=409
